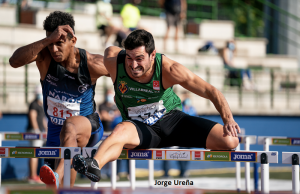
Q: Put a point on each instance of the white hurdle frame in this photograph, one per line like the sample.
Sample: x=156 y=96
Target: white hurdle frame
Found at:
x=267 y=141
x=247 y=140
x=293 y=159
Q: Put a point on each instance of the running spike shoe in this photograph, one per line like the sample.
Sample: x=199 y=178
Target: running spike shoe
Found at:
x=87 y=166
x=48 y=176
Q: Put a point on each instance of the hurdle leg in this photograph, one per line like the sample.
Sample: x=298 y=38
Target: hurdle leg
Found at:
x=113 y=174
x=238 y=173
x=67 y=168
x=151 y=173
x=264 y=173
x=132 y=173
x=295 y=173
x=94 y=185
x=247 y=168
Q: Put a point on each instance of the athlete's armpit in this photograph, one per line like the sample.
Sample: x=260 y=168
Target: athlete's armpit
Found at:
x=96 y=66
x=43 y=61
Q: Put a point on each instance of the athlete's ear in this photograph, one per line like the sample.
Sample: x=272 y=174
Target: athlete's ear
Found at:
x=74 y=40
x=152 y=55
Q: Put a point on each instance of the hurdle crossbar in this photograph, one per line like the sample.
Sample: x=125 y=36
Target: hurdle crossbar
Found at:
x=279 y=141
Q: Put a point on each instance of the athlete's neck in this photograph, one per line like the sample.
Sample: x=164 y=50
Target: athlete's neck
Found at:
x=72 y=61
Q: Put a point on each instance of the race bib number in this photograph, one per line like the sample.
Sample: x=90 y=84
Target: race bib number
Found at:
x=59 y=110
x=148 y=113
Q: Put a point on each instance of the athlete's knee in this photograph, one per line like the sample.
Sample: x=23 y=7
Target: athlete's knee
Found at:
x=119 y=132
x=231 y=142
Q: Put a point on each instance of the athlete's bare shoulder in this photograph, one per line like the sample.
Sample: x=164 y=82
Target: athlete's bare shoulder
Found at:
x=110 y=60
x=96 y=66
x=173 y=72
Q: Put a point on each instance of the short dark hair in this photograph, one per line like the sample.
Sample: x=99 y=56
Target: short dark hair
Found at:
x=58 y=18
x=139 y=38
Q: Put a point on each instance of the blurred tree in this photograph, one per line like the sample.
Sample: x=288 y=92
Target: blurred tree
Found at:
x=247 y=15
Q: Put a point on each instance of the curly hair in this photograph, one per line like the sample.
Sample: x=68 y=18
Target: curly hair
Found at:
x=139 y=38
x=58 y=18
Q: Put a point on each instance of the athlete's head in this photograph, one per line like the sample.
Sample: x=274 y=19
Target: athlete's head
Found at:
x=61 y=49
x=140 y=52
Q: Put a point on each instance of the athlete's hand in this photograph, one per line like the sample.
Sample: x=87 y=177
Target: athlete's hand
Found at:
x=231 y=128
x=61 y=32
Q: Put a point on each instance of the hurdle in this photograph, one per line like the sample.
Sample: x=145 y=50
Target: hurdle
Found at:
x=66 y=153
x=293 y=159
x=279 y=141
x=17 y=136
x=268 y=141
x=196 y=155
x=247 y=140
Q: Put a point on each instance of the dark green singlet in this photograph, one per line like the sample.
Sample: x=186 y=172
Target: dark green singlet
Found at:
x=146 y=102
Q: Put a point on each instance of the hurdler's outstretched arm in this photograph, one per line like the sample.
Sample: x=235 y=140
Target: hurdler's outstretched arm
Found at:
x=178 y=74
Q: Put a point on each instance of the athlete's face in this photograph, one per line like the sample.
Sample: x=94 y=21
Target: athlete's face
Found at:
x=61 y=49
x=138 y=61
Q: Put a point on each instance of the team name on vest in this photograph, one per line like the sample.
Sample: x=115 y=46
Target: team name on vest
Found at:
x=140 y=90
x=57 y=121
x=48 y=153
x=63 y=98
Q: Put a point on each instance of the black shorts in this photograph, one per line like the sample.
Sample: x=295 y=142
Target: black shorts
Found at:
x=176 y=128
x=96 y=135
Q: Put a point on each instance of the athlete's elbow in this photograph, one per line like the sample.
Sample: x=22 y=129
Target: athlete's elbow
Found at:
x=212 y=92
x=13 y=62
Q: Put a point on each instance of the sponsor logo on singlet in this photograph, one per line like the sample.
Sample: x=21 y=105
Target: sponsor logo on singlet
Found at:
x=156 y=85
x=83 y=88
x=141 y=100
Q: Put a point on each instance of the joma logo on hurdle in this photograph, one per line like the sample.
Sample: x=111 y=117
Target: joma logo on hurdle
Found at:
x=48 y=153
x=243 y=157
x=140 y=154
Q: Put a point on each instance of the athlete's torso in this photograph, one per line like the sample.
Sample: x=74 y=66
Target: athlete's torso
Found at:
x=67 y=94
x=146 y=102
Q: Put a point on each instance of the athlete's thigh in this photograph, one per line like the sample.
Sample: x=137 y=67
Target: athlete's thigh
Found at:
x=82 y=127
x=186 y=131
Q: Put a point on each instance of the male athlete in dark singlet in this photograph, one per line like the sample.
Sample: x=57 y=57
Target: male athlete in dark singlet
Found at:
x=151 y=111
x=68 y=77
